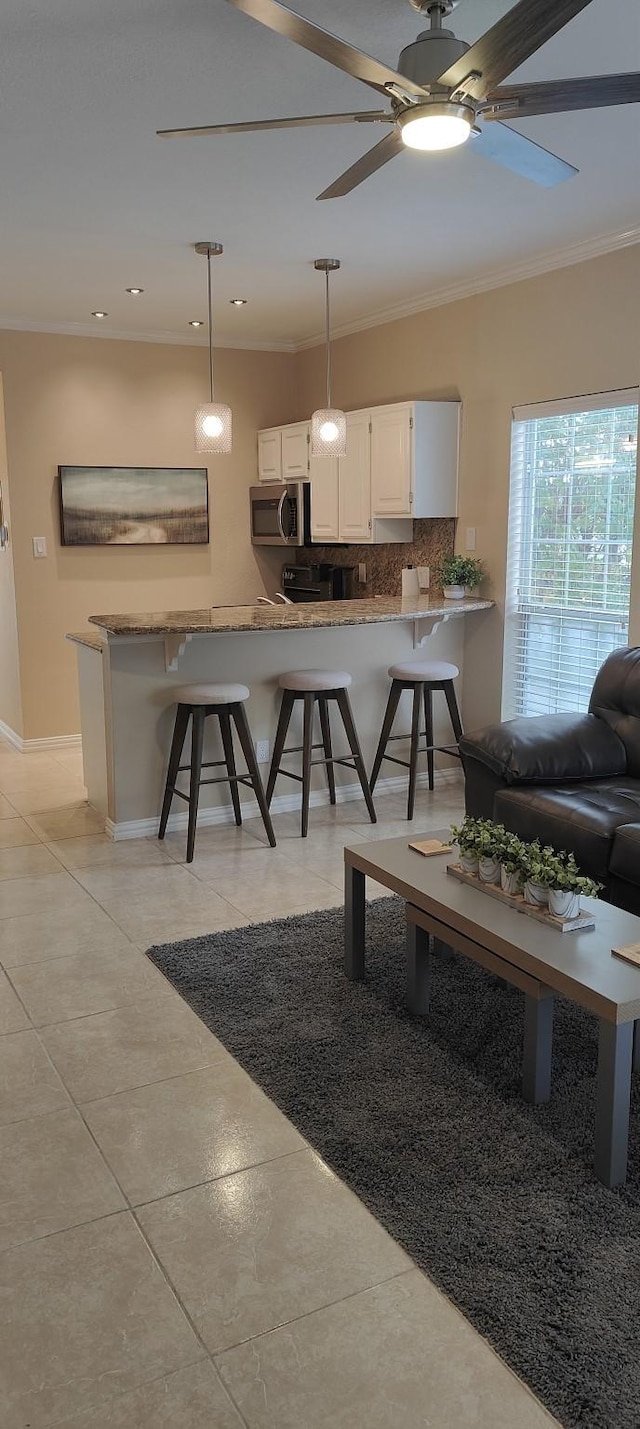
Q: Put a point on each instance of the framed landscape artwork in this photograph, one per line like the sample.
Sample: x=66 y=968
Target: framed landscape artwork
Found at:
x=133 y=505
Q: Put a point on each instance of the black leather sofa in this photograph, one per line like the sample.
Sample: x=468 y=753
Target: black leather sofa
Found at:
x=573 y=781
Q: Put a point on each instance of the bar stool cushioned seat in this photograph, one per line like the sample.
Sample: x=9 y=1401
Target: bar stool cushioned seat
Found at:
x=315 y=680
x=196 y=703
x=423 y=670
x=423 y=677
x=211 y=694
x=322 y=686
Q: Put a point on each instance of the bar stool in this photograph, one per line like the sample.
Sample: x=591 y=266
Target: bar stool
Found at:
x=196 y=702
x=423 y=677
x=319 y=686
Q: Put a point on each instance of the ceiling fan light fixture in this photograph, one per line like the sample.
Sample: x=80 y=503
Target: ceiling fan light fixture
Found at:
x=436 y=126
x=213 y=420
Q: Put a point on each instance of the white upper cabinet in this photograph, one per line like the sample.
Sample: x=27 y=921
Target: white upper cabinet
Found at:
x=325 y=502
x=270 y=455
x=295 y=452
x=414 y=459
x=283 y=453
x=355 y=481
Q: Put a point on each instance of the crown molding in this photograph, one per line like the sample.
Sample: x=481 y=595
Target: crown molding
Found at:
x=11 y=324
x=546 y=262
x=483 y=283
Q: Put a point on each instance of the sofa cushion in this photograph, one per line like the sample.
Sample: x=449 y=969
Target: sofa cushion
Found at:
x=625 y=855
x=582 y=818
x=616 y=698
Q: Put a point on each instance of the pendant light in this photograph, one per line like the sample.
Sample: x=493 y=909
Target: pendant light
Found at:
x=328 y=424
x=213 y=419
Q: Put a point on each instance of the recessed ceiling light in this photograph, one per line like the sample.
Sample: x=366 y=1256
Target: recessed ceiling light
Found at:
x=196 y=322
x=99 y=315
x=135 y=292
x=238 y=302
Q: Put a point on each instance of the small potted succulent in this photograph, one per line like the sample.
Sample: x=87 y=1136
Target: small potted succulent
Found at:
x=568 y=885
x=540 y=870
x=457 y=574
x=465 y=835
x=513 y=856
x=488 y=849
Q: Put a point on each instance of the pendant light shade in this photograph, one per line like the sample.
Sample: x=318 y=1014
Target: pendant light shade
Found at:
x=328 y=424
x=213 y=420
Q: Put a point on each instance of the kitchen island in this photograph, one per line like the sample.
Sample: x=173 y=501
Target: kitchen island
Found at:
x=129 y=666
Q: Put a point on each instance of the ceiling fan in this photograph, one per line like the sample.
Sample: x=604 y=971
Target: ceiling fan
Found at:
x=443 y=87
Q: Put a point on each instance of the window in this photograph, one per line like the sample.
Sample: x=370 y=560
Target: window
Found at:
x=573 y=479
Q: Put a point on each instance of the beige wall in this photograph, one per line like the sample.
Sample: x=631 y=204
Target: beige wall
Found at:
x=95 y=401
x=10 y=698
x=102 y=402
x=572 y=331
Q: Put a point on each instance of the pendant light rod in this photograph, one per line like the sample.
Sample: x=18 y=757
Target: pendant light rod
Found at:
x=327 y=266
x=209 y=251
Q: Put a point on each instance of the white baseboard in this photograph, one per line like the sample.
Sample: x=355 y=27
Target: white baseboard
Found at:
x=40 y=746
x=280 y=804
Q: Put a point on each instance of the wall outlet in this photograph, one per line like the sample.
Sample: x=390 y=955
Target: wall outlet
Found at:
x=362 y=572
x=470 y=539
x=262 y=751
x=39 y=547
x=424 y=577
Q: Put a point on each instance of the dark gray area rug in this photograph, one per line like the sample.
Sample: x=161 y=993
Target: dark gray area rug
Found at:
x=495 y=1199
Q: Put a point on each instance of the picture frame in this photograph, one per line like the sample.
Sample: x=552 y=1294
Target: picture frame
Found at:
x=133 y=506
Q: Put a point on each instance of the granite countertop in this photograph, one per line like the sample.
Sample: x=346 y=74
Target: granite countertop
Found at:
x=317 y=614
x=91 y=638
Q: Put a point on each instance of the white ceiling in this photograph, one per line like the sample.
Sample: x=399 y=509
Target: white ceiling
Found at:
x=93 y=202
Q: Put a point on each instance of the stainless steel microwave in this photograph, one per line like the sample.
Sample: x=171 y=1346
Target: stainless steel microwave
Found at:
x=281 y=514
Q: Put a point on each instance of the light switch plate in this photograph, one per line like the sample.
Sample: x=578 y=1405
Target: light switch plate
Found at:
x=470 y=539
x=39 y=547
x=362 y=572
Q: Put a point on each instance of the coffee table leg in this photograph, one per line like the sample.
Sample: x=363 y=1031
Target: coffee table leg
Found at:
x=418 y=969
x=538 y=1041
x=615 y=1051
x=354 y=911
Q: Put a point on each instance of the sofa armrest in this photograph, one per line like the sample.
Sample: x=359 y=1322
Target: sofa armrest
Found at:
x=548 y=749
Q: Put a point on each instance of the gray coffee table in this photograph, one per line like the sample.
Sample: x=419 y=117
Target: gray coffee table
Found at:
x=536 y=959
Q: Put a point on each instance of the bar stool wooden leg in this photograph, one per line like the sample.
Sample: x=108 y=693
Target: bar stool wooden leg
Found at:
x=281 y=734
x=197 y=738
x=454 y=713
x=326 y=740
x=307 y=743
x=227 y=744
x=344 y=705
x=239 y=716
x=177 y=744
x=387 y=725
x=428 y=724
x=413 y=755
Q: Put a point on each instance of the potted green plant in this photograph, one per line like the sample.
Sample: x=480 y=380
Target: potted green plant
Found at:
x=458 y=574
x=568 y=886
x=465 y=835
x=488 y=849
x=541 y=871
x=512 y=860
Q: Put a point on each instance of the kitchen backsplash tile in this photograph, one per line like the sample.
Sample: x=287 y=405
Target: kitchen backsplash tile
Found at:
x=431 y=541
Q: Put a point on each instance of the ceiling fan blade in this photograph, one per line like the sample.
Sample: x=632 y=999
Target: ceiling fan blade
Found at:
x=517 y=101
x=384 y=151
x=371 y=116
x=514 y=151
x=509 y=43
x=329 y=47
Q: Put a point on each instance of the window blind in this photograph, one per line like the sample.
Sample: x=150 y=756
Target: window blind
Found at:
x=573 y=480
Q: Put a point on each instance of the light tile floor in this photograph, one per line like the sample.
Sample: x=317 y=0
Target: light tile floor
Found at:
x=174 y=1254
